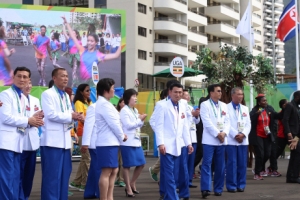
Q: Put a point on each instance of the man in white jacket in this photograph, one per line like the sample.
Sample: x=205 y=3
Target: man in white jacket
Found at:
x=237 y=148
x=216 y=125
x=170 y=126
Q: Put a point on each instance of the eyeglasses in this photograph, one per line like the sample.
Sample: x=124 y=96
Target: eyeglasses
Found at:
x=219 y=91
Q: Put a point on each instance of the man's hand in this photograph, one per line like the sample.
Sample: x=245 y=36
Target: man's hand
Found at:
x=125 y=138
x=76 y=116
x=221 y=137
x=294 y=143
x=239 y=137
x=196 y=112
x=190 y=149
x=290 y=136
x=84 y=149
x=39 y=114
x=143 y=117
x=36 y=122
x=1 y=103
x=162 y=149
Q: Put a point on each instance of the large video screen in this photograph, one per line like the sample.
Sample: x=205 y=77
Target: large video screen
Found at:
x=41 y=41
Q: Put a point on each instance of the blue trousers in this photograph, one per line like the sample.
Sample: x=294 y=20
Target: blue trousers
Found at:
x=63 y=47
x=236 y=166
x=56 y=171
x=167 y=178
x=28 y=161
x=182 y=174
x=9 y=174
x=190 y=163
x=218 y=153
x=91 y=187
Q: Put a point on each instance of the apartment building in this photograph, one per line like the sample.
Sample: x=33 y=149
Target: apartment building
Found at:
x=159 y=30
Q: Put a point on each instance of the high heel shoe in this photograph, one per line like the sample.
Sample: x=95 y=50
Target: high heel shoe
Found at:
x=135 y=191
x=129 y=195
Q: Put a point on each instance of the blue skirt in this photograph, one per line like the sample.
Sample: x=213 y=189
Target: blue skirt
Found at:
x=107 y=47
x=107 y=157
x=132 y=156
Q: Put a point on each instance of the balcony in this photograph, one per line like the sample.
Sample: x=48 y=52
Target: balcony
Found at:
x=169 y=47
x=222 y=12
x=221 y=30
x=192 y=56
x=257 y=36
x=196 y=18
x=256 y=5
x=278 y=11
x=268 y=25
x=215 y=45
x=169 y=26
x=197 y=3
x=268 y=18
x=256 y=20
x=159 y=66
x=268 y=9
x=170 y=6
x=227 y=1
x=279 y=3
x=278 y=42
x=196 y=38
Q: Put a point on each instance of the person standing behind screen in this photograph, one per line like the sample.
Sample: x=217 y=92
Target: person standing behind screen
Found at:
x=89 y=144
x=62 y=40
x=56 y=140
x=131 y=150
x=109 y=136
x=55 y=47
x=216 y=125
x=237 y=148
x=13 y=124
x=84 y=40
x=41 y=45
x=82 y=102
x=31 y=144
x=171 y=126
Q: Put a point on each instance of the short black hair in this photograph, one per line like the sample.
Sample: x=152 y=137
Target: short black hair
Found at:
x=22 y=68
x=171 y=82
x=55 y=71
x=51 y=83
x=95 y=36
x=185 y=90
x=163 y=94
x=43 y=26
x=128 y=94
x=104 y=85
x=118 y=106
x=176 y=85
x=211 y=88
x=296 y=94
x=282 y=102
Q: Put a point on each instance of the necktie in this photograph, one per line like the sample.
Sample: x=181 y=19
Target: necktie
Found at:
x=177 y=115
x=237 y=111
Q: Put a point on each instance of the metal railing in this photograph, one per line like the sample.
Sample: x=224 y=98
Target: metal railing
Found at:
x=162 y=64
x=218 y=4
x=229 y=25
x=170 y=42
x=180 y=1
x=170 y=19
x=223 y=41
x=197 y=12
x=197 y=32
x=256 y=15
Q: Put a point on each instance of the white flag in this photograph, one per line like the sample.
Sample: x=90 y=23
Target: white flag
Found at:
x=244 y=27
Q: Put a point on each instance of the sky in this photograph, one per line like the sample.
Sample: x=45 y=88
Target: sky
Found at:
x=33 y=16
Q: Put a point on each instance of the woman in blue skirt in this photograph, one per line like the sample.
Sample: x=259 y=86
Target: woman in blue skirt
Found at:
x=109 y=136
x=131 y=150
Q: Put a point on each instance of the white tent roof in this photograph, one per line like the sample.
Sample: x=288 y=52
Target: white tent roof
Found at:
x=10 y=15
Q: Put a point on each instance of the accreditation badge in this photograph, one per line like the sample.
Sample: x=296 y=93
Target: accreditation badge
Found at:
x=241 y=126
x=137 y=134
x=68 y=127
x=193 y=127
x=220 y=126
x=21 y=130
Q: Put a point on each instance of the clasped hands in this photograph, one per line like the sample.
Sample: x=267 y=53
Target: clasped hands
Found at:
x=37 y=119
x=162 y=149
x=239 y=137
x=78 y=116
x=221 y=136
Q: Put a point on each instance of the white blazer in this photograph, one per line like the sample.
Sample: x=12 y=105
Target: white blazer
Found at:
x=193 y=121
x=210 y=130
x=11 y=119
x=130 y=124
x=89 y=136
x=242 y=117
x=53 y=132
x=152 y=118
x=108 y=124
x=32 y=138
x=171 y=131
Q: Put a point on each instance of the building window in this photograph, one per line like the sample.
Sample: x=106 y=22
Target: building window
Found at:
x=150 y=8
x=29 y=2
x=150 y=54
x=142 y=8
x=142 y=54
x=150 y=31
x=142 y=31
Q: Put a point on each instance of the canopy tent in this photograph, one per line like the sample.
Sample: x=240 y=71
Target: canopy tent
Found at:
x=187 y=73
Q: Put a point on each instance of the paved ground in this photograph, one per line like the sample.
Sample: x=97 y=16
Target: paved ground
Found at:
x=270 y=188
x=24 y=56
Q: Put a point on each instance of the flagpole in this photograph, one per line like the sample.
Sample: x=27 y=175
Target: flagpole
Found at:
x=251 y=51
x=297 y=47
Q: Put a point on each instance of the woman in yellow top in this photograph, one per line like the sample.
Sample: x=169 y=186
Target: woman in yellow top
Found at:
x=82 y=101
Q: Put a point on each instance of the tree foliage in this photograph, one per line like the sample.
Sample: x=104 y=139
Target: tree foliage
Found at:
x=235 y=67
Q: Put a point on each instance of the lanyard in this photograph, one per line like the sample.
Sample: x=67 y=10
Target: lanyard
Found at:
x=211 y=103
x=267 y=118
x=133 y=112
x=61 y=104
x=19 y=105
x=239 y=111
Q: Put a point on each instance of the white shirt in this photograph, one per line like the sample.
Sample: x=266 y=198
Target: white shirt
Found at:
x=84 y=40
x=131 y=123
x=107 y=40
x=108 y=124
x=241 y=117
x=210 y=116
x=89 y=136
x=62 y=38
x=193 y=121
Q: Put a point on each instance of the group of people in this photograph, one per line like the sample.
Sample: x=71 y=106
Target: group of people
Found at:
x=86 y=51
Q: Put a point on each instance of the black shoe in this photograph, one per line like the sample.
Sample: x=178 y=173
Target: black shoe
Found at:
x=135 y=192
x=205 y=194
x=293 y=180
x=232 y=191
x=240 y=190
x=128 y=195
x=193 y=186
x=161 y=197
x=185 y=198
x=218 y=194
